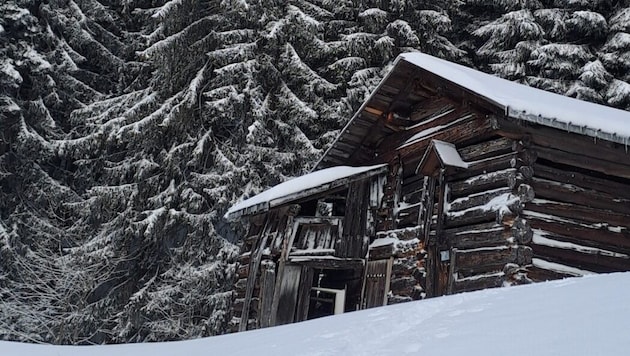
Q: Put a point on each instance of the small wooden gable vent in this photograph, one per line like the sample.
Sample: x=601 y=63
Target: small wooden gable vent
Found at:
x=440 y=154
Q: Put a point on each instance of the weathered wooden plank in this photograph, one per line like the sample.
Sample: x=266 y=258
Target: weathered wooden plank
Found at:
x=559 y=139
x=578 y=212
x=477 y=199
x=289 y=235
x=339 y=153
x=427 y=108
x=477 y=283
x=582 y=180
x=254 y=264
x=496 y=163
x=619 y=169
x=491 y=258
x=472 y=129
x=408 y=215
x=486 y=149
x=268 y=281
x=458 y=93
x=595 y=235
x=569 y=193
x=449 y=118
x=538 y=274
x=306 y=282
x=479 y=235
x=591 y=262
x=381 y=252
x=352 y=243
x=497 y=212
x=329 y=263
x=483 y=182
x=288 y=294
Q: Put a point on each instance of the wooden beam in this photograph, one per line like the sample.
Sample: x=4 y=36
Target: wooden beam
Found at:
x=486 y=149
x=479 y=235
x=289 y=234
x=477 y=283
x=591 y=262
x=435 y=121
x=330 y=263
x=267 y=287
x=483 y=260
x=477 y=199
x=469 y=129
x=599 y=164
x=484 y=182
x=584 y=146
x=582 y=180
x=578 y=212
x=616 y=240
x=569 y=193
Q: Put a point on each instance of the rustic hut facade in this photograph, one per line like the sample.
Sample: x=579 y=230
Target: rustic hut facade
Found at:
x=446 y=180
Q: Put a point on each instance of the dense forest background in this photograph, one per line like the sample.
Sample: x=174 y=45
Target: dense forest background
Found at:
x=128 y=127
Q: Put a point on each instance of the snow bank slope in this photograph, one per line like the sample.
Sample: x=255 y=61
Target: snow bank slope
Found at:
x=581 y=316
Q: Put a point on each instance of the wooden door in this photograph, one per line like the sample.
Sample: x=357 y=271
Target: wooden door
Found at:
x=376 y=285
x=438 y=256
x=294 y=294
x=288 y=294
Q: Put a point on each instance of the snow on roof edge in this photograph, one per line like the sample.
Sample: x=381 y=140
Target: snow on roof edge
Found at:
x=299 y=184
x=531 y=104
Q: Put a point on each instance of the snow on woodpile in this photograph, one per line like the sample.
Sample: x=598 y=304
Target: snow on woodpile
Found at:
x=531 y=104
x=398 y=246
x=299 y=184
x=577 y=316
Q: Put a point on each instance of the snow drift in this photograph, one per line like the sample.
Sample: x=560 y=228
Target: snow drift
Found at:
x=578 y=316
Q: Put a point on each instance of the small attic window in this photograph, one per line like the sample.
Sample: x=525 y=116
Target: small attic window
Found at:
x=440 y=154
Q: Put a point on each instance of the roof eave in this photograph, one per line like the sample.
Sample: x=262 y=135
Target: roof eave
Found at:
x=569 y=127
x=357 y=113
x=266 y=206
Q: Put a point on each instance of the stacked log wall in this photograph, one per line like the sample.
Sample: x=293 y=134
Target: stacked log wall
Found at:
x=408 y=273
x=398 y=223
x=483 y=223
x=580 y=215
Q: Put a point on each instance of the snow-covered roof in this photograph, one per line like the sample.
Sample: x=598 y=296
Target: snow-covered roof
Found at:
x=515 y=100
x=300 y=187
x=448 y=154
x=530 y=104
x=577 y=316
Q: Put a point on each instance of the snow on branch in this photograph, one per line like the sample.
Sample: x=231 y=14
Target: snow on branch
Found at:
x=621 y=21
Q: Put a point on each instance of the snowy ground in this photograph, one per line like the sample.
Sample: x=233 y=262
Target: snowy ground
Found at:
x=579 y=316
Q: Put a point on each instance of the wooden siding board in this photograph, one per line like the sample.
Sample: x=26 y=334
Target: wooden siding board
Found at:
x=580 y=145
x=479 y=235
x=575 y=231
x=483 y=182
x=288 y=294
x=569 y=193
x=592 y=262
x=570 y=175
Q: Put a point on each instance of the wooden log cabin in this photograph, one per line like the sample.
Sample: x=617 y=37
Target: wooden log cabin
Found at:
x=446 y=180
